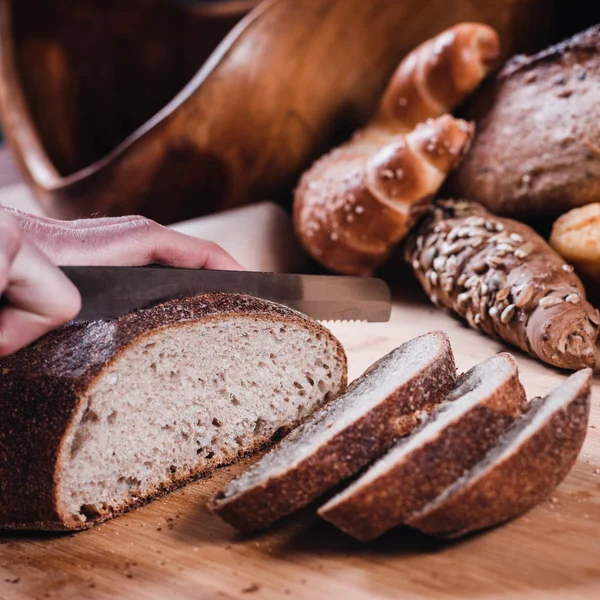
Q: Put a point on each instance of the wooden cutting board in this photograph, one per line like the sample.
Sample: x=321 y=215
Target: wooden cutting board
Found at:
x=174 y=548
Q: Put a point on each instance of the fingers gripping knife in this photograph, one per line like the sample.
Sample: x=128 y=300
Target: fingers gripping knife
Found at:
x=108 y=292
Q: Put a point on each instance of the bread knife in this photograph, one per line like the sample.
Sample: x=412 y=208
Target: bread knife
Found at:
x=109 y=292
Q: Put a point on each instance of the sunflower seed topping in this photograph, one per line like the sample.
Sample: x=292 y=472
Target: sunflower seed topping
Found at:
x=499 y=237
x=492 y=225
x=548 y=301
x=462 y=299
x=470 y=320
x=439 y=263
x=497 y=280
x=494 y=312
x=453 y=235
x=431 y=240
x=573 y=298
x=568 y=268
x=428 y=257
x=471 y=282
x=433 y=277
x=453 y=248
x=451 y=263
x=515 y=237
x=525 y=297
x=475 y=221
x=483 y=308
x=502 y=294
x=495 y=262
x=508 y=313
x=524 y=251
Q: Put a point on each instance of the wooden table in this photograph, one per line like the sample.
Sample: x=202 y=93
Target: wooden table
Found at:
x=174 y=548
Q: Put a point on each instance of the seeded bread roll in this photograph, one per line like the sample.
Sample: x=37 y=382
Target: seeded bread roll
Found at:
x=506 y=281
x=359 y=201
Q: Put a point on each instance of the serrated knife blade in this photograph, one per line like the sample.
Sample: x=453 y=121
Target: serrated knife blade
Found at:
x=109 y=292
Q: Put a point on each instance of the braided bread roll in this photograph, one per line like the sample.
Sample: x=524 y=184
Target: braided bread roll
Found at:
x=506 y=281
x=355 y=204
x=438 y=76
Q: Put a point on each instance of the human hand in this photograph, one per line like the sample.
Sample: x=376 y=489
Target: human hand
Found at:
x=121 y=241
x=36 y=295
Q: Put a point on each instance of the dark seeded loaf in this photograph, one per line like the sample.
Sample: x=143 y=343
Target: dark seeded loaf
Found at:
x=531 y=460
x=101 y=417
x=458 y=434
x=382 y=405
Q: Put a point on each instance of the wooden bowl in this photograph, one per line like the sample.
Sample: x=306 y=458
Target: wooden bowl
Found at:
x=125 y=106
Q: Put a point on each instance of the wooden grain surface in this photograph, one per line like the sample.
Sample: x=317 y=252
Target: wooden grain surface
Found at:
x=174 y=548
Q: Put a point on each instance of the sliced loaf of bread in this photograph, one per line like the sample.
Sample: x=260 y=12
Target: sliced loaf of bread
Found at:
x=532 y=458
x=484 y=403
x=379 y=407
x=98 y=418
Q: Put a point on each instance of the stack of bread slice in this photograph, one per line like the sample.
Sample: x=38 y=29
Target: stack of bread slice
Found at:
x=445 y=456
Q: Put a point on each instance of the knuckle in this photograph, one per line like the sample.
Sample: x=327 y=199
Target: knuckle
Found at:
x=143 y=224
x=212 y=247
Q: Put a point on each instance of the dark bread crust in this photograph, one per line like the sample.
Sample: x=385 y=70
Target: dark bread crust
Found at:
x=537 y=150
x=344 y=454
x=43 y=387
x=376 y=506
x=521 y=480
x=506 y=281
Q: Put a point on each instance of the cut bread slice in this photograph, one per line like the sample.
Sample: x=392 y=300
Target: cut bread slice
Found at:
x=484 y=403
x=530 y=461
x=100 y=417
x=379 y=407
